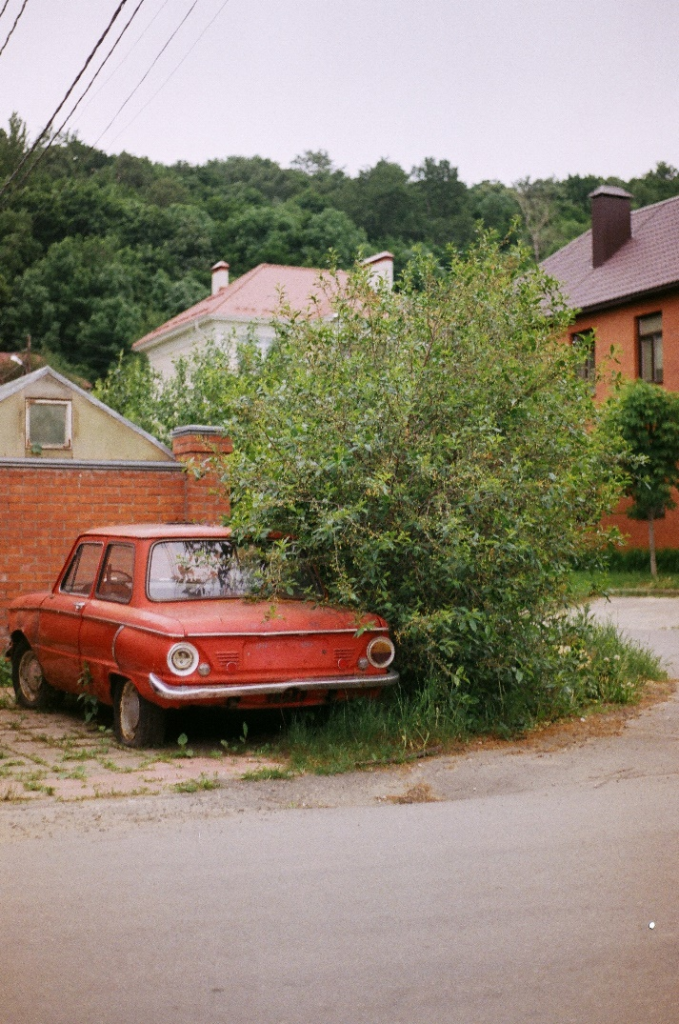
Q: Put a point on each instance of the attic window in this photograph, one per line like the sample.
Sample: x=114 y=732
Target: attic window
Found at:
x=48 y=423
x=650 y=348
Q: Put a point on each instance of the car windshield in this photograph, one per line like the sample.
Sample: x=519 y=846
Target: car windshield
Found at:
x=188 y=570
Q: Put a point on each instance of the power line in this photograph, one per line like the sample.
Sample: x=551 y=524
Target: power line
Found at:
x=99 y=69
x=77 y=78
x=148 y=72
x=57 y=133
x=16 y=22
x=134 y=45
x=173 y=72
x=4 y=8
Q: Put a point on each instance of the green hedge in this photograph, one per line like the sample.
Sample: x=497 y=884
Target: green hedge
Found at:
x=636 y=559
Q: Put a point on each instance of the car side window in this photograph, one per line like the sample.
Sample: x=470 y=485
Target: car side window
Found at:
x=117 y=573
x=82 y=571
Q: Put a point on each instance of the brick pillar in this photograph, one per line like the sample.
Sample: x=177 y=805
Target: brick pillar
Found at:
x=206 y=501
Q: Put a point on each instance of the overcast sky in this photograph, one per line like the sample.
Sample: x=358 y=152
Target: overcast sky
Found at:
x=503 y=89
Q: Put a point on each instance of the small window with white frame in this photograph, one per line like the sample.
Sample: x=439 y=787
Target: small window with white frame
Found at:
x=48 y=423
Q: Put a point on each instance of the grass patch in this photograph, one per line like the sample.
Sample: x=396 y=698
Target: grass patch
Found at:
x=195 y=785
x=267 y=774
x=5 y=671
x=596 y=670
x=586 y=584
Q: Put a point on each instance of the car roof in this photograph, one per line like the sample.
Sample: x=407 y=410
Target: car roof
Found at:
x=159 y=531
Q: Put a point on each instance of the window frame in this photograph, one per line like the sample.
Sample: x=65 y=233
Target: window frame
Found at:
x=102 y=568
x=587 y=369
x=656 y=339
x=63 y=402
x=77 y=556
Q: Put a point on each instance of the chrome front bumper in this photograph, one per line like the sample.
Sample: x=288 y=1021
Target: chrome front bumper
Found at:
x=224 y=690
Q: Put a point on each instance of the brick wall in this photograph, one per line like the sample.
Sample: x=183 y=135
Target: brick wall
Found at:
x=636 y=530
x=46 y=503
x=617 y=329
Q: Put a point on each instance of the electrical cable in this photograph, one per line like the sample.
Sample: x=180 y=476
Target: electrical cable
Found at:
x=11 y=31
x=145 y=76
x=131 y=49
x=77 y=78
x=4 y=8
x=173 y=72
x=57 y=133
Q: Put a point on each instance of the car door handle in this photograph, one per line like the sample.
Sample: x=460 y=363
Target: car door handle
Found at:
x=79 y=606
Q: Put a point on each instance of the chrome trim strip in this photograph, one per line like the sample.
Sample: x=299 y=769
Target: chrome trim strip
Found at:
x=298 y=632
x=107 y=622
x=113 y=642
x=224 y=690
x=189 y=635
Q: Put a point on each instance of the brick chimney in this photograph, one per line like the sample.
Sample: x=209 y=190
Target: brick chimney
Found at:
x=381 y=268
x=611 y=222
x=206 y=499
x=220 y=276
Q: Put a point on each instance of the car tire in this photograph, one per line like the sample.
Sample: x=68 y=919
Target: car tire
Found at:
x=30 y=686
x=136 y=721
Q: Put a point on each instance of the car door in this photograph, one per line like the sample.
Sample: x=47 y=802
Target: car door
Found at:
x=61 y=618
x=107 y=611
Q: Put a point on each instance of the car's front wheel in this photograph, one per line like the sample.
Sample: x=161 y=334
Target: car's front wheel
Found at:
x=30 y=686
x=136 y=721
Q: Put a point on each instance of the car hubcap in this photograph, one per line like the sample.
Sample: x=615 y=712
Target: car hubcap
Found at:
x=30 y=676
x=129 y=711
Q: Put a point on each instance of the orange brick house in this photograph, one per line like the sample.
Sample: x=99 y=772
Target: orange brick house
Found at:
x=622 y=277
x=68 y=463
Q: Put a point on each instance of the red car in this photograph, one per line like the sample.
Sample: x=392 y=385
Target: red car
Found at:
x=153 y=617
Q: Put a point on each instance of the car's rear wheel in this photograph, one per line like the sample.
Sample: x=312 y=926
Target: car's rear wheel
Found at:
x=136 y=721
x=30 y=686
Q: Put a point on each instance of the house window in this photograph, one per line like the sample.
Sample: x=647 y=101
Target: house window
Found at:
x=650 y=348
x=48 y=423
x=583 y=344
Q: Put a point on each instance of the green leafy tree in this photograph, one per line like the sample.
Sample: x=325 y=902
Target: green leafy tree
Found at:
x=647 y=417
x=432 y=450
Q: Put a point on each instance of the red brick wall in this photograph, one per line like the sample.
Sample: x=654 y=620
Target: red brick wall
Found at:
x=636 y=531
x=617 y=328
x=205 y=495
x=44 y=510
x=44 y=507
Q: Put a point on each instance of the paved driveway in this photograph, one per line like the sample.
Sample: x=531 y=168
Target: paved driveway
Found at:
x=652 y=621
x=511 y=883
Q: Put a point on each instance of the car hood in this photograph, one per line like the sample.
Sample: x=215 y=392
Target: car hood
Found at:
x=235 y=616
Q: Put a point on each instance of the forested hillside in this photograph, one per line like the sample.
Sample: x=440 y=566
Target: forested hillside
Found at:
x=95 y=250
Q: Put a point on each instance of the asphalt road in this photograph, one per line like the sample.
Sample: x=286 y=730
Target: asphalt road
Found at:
x=524 y=892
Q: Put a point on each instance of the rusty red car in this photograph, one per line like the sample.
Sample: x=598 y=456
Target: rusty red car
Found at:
x=147 y=618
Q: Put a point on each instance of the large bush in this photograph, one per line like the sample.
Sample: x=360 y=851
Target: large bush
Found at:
x=435 y=453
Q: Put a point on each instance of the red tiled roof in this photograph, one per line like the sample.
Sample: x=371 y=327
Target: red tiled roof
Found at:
x=257 y=296
x=648 y=262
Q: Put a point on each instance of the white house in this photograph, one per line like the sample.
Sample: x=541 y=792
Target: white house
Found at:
x=248 y=304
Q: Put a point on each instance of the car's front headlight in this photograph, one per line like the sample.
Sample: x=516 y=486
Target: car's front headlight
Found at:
x=182 y=659
x=380 y=652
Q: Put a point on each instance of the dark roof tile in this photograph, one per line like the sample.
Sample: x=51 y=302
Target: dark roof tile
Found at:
x=648 y=262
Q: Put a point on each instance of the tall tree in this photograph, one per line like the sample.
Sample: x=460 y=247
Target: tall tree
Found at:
x=647 y=417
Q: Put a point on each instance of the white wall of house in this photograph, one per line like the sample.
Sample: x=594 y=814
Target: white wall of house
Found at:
x=192 y=338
